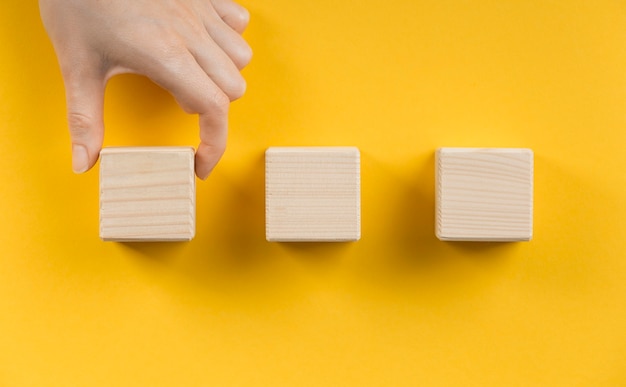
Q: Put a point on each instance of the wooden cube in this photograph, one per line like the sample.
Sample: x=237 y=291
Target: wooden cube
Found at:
x=484 y=194
x=312 y=194
x=147 y=194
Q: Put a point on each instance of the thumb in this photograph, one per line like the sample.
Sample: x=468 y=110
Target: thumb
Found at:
x=85 y=102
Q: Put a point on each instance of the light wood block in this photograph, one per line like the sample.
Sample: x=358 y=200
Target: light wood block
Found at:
x=313 y=194
x=147 y=194
x=484 y=194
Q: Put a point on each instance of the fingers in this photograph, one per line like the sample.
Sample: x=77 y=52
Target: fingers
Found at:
x=85 y=100
x=233 y=14
x=228 y=39
x=196 y=92
x=220 y=68
x=192 y=48
x=227 y=35
x=231 y=43
x=213 y=136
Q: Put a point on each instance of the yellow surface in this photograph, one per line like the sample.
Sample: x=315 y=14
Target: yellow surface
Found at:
x=399 y=308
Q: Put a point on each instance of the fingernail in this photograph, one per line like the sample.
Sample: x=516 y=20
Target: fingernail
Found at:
x=80 y=158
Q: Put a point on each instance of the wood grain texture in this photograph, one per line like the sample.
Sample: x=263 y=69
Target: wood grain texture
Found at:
x=313 y=194
x=147 y=194
x=484 y=194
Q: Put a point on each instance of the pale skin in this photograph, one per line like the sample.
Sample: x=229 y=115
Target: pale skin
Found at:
x=191 y=48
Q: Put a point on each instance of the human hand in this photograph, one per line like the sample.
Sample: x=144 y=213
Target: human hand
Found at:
x=192 y=48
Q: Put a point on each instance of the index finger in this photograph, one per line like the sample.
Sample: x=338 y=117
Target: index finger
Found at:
x=195 y=92
x=213 y=138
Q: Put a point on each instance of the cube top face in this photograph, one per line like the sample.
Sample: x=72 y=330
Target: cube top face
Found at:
x=147 y=194
x=484 y=194
x=313 y=194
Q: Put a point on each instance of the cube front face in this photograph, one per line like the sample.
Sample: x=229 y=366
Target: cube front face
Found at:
x=484 y=194
x=312 y=194
x=147 y=194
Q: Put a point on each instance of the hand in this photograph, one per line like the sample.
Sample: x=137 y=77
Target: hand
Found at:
x=192 y=48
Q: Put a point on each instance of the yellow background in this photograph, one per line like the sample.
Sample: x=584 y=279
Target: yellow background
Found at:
x=399 y=308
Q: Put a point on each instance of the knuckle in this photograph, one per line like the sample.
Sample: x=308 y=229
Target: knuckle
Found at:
x=81 y=125
x=237 y=88
x=174 y=64
x=219 y=103
x=244 y=56
x=170 y=47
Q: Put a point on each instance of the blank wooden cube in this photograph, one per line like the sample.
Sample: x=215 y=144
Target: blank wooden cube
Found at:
x=312 y=194
x=147 y=194
x=484 y=194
